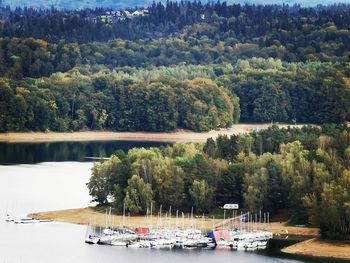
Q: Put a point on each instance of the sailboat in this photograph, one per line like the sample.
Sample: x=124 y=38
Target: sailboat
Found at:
x=8 y=218
x=90 y=237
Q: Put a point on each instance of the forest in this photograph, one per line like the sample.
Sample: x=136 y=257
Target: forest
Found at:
x=194 y=97
x=184 y=65
x=305 y=171
x=63 y=4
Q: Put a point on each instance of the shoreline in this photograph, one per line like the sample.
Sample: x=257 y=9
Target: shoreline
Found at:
x=319 y=248
x=312 y=247
x=82 y=216
x=171 y=137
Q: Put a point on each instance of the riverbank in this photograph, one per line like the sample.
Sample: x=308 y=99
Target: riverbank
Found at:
x=178 y=136
x=317 y=247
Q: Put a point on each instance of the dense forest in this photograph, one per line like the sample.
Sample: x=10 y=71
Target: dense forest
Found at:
x=82 y=4
x=192 y=97
x=303 y=170
x=181 y=65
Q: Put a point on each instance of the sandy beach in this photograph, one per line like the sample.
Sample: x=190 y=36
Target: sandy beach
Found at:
x=178 y=136
x=320 y=248
x=83 y=215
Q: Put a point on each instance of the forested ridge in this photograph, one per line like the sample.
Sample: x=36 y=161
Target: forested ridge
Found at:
x=305 y=171
x=62 y=4
x=183 y=65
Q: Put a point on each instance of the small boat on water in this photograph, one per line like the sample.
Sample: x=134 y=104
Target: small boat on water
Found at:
x=8 y=218
x=241 y=245
x=262 y=244
x=90 y=236
x=119 y=243
x=92 y=239
x=251 y=245
x=221 y=243
x=29 y=220
x=162 y=243
x=139 y=244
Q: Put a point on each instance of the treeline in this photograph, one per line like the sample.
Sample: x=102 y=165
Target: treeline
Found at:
x=269 y=24
x=171 y=34
x=309 y=93
x=303 y=170
x=194 y=97
x=29 y=57
x=80 y=102
x=270 y=90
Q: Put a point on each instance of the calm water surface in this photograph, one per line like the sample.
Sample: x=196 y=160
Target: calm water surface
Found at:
x=59 y=185
x=29 y=153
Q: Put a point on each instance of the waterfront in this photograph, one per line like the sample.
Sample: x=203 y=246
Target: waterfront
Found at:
x=61 y=185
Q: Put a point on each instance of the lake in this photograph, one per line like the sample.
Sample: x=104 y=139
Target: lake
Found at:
x=29 y=153
x=53 y=185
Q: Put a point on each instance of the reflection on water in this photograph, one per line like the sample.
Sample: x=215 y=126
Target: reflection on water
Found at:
x=19 y=153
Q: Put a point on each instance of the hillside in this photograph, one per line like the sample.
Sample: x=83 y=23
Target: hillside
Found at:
x=121 y=4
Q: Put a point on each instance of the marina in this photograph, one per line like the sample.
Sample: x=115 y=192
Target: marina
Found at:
x=179 y=238
x=245 y=233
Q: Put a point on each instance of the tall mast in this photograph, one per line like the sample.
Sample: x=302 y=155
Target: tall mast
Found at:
x=151 y=213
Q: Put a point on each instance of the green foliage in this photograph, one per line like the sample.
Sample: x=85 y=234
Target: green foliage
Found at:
x=307 y=173
x=138 y=195
x=202 y=195
x=179 y=33
x=230 y=184
x=74 y=101
x=169 y=182
x=331 y=210
x=101 y=184
x=79 y=100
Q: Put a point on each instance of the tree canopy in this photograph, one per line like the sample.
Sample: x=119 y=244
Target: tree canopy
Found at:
x=308 y=174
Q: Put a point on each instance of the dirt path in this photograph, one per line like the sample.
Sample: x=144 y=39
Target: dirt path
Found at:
x=178 y=136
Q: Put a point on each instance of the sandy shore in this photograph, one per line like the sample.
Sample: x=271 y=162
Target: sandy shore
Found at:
x=178 y=136
x=320 y=248
x=83 y=215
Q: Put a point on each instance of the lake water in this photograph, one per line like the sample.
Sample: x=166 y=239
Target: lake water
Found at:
x=27 y=153
x=26 y=188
